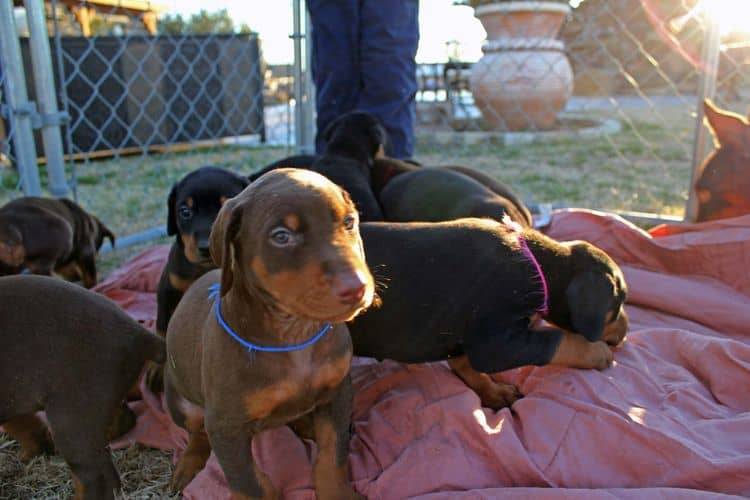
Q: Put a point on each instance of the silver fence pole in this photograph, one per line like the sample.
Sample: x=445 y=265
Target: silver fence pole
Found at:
x=44 y=83
x=304 y=142
x=21 y=111
x=710 y=61
x=309 y=103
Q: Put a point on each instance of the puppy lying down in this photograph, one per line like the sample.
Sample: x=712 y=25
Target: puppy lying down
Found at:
x=471 y=291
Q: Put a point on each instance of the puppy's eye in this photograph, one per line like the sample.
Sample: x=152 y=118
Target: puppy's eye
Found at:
x=350 y=221
x=281 y=237
x=186 y=213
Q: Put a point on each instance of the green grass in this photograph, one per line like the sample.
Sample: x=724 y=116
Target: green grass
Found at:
x=645 y=167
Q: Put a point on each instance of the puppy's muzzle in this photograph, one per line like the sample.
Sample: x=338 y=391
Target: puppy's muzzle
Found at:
x=203 y=246
x=349 y=287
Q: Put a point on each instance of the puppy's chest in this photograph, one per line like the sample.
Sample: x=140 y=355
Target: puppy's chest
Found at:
x=300 y=385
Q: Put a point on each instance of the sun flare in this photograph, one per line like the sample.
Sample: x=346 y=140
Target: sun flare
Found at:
x=733 y=16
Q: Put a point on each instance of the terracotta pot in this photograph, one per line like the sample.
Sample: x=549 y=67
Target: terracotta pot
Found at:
x=524 y=78
x=522 y=19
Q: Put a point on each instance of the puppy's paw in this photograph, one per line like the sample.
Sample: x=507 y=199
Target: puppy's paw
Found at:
x=577 y=352
x=188 y=467
x=600 y=356
x=497 y=395
x=614 y=333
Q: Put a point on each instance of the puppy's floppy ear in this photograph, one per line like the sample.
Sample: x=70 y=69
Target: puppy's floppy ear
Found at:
x=329 y=130
x=589 y=296
x=223 y=233
x=172 y=211
x=244 y=181
x=726 y=127
x=378 y=138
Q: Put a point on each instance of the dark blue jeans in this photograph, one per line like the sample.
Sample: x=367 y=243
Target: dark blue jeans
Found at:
x=363 y=58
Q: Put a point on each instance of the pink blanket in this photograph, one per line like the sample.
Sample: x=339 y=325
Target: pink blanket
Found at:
x=671 y=418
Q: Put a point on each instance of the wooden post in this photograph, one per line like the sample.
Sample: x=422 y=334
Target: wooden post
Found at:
x=84 y=16
x=149 y=20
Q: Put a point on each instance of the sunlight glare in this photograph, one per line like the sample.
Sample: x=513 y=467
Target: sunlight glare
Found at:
x=733 y=16
x=481 y=419
x=636 y=414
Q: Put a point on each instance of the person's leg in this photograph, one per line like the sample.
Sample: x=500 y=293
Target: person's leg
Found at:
x=390 y=35
x=335 y=59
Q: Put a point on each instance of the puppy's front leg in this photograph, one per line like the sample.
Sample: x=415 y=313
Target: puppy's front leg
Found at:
x=87 y=265
x=332 y=432
x=493 y=394
x=232 y=446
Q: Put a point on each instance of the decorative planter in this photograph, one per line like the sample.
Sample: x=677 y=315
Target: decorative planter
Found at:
x=524 y=78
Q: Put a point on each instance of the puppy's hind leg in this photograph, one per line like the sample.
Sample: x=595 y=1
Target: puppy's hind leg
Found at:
x=232 y=446
x=493 y=394
x=192 y=461
x=83 y=445
x=32 y=435
x=332 y=434
x=195 y=455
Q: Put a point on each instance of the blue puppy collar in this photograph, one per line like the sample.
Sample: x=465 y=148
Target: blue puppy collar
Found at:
x=214 y=289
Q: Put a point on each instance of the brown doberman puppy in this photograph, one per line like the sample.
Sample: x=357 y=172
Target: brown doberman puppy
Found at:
x=74 y=354
x=471 y=291
x=722 y=186
x=271 y=347
x=43 y=235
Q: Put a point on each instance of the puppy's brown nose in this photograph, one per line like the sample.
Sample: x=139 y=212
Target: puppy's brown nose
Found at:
x=349 y=288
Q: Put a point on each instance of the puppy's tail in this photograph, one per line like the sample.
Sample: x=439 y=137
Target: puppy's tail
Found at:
x=152 y=347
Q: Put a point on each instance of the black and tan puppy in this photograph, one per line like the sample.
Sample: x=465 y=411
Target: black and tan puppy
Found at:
x=410 y=193
x=470 y=291
x=192 y=207
x=430 y=193
x=46 y=235
x=271 y=347
x=74 y=354
x=353 y=141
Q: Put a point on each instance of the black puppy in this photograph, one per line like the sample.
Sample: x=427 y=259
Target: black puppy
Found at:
x=353 y=141
x=294 y=161
x=408 y=192
x=192 y=207
x=433 y=194
x=470 y=291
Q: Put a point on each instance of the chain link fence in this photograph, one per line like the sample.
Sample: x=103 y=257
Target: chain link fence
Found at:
x=607 y=118
x=594 y=104
x=145 y=96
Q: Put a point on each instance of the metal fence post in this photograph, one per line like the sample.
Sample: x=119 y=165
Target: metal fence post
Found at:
x=21 y=110
x=710 y=60
x=303 y=126
x=44 y=83
x=309 y=109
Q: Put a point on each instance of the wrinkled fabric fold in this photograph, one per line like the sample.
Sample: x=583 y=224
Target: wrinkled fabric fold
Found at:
x=670 y=419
